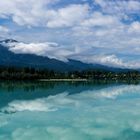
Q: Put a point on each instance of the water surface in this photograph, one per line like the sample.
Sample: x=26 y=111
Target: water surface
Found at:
x=69 y=111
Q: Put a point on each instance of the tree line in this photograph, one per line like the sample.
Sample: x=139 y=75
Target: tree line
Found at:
x=26 y=73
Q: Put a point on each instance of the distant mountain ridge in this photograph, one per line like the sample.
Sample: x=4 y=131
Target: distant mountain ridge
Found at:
x=8 y=58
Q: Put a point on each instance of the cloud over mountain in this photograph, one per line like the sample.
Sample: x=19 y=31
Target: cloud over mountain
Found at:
x=55 y=51
x=103 y=31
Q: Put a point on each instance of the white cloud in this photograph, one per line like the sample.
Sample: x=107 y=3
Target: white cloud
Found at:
x=40 y=13
x=32 y=48
x=98 y=19
x=49 y=49
x=4 y=29
x=68 y=16
x=135 y=27
x=119 y=6
x=27 y=12
x=109 y=60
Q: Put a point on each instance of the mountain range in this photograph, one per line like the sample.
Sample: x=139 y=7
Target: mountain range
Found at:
x=8 y=58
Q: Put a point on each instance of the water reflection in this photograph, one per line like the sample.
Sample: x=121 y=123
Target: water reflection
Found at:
x=70 y=111
x=32 y=90
x=27 y=86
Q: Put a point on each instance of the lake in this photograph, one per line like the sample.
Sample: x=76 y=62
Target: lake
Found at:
x=69 y=111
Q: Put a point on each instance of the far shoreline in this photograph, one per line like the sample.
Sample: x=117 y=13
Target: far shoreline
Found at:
x=64 y=80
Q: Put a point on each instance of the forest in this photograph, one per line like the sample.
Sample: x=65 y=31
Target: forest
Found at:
x=26 y=73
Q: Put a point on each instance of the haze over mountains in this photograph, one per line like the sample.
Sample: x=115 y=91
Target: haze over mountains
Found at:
x=9 y=58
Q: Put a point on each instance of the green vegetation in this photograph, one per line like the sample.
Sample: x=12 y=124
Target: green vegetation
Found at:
x=12 y=73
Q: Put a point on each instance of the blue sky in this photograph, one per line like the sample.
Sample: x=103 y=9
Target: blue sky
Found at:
x=92 y=31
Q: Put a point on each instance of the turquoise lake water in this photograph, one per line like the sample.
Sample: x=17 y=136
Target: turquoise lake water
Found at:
x=69 y=111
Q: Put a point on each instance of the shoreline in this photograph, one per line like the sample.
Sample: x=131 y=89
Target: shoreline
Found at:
x=64 y=80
